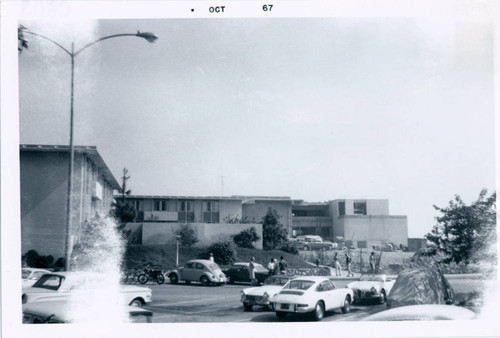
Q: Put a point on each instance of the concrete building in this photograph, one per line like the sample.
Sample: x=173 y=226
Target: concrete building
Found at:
x=44 y=190
x=362 y=223
x=415 y=244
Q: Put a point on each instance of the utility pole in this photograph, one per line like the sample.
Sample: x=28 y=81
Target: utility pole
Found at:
x=222 y=185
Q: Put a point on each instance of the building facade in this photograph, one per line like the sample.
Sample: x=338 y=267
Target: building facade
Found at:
x=362 y=223
x=44 y=190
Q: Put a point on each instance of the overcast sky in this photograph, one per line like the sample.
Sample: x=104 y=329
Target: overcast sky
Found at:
x=314 y=109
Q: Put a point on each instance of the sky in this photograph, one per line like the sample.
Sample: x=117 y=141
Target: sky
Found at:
x=311 y=108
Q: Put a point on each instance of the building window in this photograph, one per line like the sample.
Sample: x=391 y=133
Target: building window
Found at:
x=342 y=208
x=137 y=205
x=359 y=208
x=160 y=205
x=186 y=213
x=210 y=211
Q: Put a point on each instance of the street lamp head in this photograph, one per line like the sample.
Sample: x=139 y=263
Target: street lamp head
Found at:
x=150 y=37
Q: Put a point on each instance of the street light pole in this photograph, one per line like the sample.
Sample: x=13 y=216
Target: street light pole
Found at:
x=178 y=237
x=150 y=37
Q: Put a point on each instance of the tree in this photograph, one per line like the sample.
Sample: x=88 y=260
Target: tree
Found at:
x=122 y=211
x=188 y=233
x=273 y=232
x=466 y=233
x=246 y=238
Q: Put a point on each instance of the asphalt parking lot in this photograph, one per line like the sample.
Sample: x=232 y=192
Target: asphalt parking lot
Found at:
x=184 y=303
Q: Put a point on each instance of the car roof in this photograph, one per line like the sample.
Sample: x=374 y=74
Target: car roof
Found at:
x=424 y=312
x=60 y=309
x=313 y=278
x=205 y=261
x=246 y=263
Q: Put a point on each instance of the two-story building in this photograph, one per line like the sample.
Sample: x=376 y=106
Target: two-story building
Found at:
x=44 y=190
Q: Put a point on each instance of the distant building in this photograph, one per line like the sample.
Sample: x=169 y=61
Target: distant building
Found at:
x=44 y=189
x=362 y=223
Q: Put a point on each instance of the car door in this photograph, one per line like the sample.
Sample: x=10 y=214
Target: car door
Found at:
x=242 y=274
x=199 y=269
x=324 y=292
x=187 y=273
x=336 y=296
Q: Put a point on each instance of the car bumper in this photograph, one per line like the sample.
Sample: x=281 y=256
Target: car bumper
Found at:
x=255 y=300
x=293 y=308
x=220 y=280
x=366 y=295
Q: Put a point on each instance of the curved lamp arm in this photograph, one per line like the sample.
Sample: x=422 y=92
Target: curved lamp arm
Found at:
x=150 y=37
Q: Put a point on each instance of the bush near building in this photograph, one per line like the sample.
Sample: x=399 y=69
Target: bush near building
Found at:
x=33 y=260
x=246 y=238
x=188 y=233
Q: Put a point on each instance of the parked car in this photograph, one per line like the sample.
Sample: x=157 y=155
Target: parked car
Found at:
x=371 y=287
x=198 y=270
x=313 y=295
x=262 y=295
x=61 y=285
x=238 y=272
x=58 y=311
x=31 y=275
x=313 y=242
x=424 y=312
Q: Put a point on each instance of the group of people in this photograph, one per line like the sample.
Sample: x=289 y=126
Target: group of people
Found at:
x=338 y=267
x=274 y=268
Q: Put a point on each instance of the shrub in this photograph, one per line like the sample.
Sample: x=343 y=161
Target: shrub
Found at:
x=189 y=235
x=273 y=232
x=246 y=238
x=290 y=248
x=34 y=260
x=224 y=252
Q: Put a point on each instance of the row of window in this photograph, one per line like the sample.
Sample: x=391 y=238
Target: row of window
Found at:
x=359 y=208
x=177 y=205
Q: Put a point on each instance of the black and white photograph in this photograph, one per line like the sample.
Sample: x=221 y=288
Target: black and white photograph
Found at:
x=249 y=168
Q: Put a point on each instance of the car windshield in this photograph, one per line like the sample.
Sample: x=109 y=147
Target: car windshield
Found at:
x=26 y=273
x=372 y=278
x=299 y=284
x=50 y=282
x=276 y=281
x=260 y=268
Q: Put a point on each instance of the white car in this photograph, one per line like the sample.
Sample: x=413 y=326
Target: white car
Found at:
x=262 y=295
x=424 y=312
x=371 y=287
x=31 y=275
x=61 y=285
x=311 y=294
x=59 y=311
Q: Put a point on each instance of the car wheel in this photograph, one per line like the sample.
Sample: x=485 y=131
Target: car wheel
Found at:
x=143 y=278
x=383 y=297
x=319 y=311
x=247 y=307
x=136 y=303
x=161 y=279
x=281 y=314
x=204 y=281
x=347 y=305
x=174 y=279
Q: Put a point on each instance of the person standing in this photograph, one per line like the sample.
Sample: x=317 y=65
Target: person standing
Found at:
x=336 y=264
x=282 y=265
x=211 y=258
x=372 y=262
x=251 y=271
x=348 y=265
x=271 y=266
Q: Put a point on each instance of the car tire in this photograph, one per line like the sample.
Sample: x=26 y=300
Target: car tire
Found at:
x=383 y=297
x=347 y=305
x=204 y=281
x=247 y=307
x=160 y=280
x=318 y=312
x=143 y=278
x=136 y=303
x=281 y=314
x=174 y=279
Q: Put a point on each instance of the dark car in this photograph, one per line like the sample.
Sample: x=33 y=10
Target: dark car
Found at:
x=239 y=273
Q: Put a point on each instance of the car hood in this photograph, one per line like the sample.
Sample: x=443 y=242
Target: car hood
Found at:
x=270 y=289
x=364 y=285
x=38 y=290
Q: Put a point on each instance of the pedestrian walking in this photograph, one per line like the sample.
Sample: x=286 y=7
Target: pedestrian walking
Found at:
x=371 y=260
x=282 y=265
x=336 y=264
x=348 y=265
x=271 y=266
x=251 y=271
